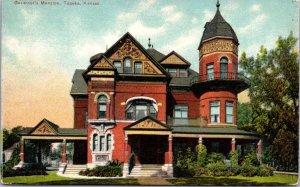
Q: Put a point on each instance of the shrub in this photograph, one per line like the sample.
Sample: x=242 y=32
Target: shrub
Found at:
x=199 y=171
x=114 y=163
x=233 y=170
x=23 y=172
x=252 y=159
x=216 y=157
x=248 y=170
x=112 y=169
x=183 y=172
x=234 y=158
x=265 y=170
x=216 y=169
x=201 y=155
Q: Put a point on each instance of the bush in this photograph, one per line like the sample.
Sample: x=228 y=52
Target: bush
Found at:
x=233 y=170
x=216 y=157
x=199 y=171
x=201 y=155
x=216 y=169
x=252 y=159
x=23 y=172
x=234 y=158
x=248 y=170
x=265 y=170
x=112 y=169
x=183 y=172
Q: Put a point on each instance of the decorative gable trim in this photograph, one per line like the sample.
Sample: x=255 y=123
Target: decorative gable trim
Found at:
x=148 y=123
x=45 y=127
x=174 y=58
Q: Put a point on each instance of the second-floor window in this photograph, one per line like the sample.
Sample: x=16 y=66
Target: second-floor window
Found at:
x=181 y=111
x=223 y=67
x=127 y=65
x=210 y=71
x=182 y=73
x=118 y=66
x=215 y=112
x=139 y=109
x=229 y=112
x=102 y=100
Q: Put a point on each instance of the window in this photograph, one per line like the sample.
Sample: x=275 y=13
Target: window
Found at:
x=118 y=66
x=139 y=109
x=101 y=143
x=215 y=112
x=95 y=142
x=223 y=67
x=234 y=71
x=127 y=65
x=210 y=71
x=138 y=67
x=182 y=73
x=108 y=142
x=102 y=106
x=181 y=111
x=229 y=112
x=173 y=72
x=86 y=119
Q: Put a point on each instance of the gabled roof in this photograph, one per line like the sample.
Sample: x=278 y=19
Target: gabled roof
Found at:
x=45 y=125
x=100 y=63
x=182 y=62
x=148 y=123
x=218 y=27
x=112 y=49
x=79 y=86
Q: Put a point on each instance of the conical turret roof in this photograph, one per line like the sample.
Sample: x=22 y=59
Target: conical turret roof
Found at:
x=218 y=27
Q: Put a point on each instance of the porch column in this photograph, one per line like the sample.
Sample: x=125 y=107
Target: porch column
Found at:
x=259 y=149
x=170 y=150
x=200 y=141
x=63 y=155
x=22 y=142
x=233 y=144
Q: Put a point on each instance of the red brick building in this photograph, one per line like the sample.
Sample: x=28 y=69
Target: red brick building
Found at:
x=140 y=103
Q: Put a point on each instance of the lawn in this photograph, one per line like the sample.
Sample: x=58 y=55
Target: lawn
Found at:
x=277 y=179
x=53 y=179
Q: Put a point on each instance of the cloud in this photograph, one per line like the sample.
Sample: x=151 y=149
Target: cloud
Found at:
x=194 y=20
x=253 y=25
x=145 y=4
x=138 y=29
x=171 y=14
x=255 y=8
x=30 y=18
x=208 y=15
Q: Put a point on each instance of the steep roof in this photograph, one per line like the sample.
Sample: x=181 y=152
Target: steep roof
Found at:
x=218 y=27
x=183 y=81
x=155 y=54
x=179 y=59
x=79 y=85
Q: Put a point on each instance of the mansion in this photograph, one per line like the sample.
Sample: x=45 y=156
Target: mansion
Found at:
x=137 y=103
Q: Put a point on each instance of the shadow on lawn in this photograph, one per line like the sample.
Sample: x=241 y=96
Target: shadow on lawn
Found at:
x=91 y=182
x=213 y=181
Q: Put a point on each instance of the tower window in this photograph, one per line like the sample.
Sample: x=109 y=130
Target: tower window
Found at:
x=224 y=67
x=229 y=112
x=138 y=67
x=210 y=71
x=127 y=65
x=215 y=112
x=181 y=111
x=102 y=100
x=118 y=66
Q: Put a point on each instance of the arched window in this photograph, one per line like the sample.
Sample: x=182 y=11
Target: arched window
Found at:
x=95 y=142
x=108 y=142
x=101 y=143
x=127 y=65
x=102 y=100
x=224 y=68
x=140 y=108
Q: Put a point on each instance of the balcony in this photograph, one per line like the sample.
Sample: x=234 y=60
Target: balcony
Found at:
x=216 y=81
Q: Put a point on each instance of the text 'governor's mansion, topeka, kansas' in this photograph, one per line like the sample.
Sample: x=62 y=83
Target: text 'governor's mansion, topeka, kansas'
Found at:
x=133 y=102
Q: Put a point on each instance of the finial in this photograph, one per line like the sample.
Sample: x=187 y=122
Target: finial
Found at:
x=149 y=44
x=152 y=45
x=218 y=4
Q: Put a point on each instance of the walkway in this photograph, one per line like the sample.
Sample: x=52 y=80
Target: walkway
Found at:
x=153 y=181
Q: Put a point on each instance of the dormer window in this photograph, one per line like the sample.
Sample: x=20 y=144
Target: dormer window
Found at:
x=182 y=73
x=138 y=67
x=127 y=65
x=172 y=71
x=139 y=109
x=118 y=66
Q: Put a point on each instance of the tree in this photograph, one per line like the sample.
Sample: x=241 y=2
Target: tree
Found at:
x=244 y=113
x=274 y=77
x=10 y=137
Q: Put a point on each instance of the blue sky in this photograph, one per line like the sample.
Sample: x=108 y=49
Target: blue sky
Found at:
x=42 y=45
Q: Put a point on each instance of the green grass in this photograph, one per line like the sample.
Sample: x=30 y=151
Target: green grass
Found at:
x=276 y=179
x=53 y=179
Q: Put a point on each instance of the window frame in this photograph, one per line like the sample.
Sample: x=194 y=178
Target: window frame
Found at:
x=180 y=73
x=133 y=109
x=172 y=72
x=210 y=76
x=101 y=104
x=219 y=112
x=120 y=68
x=226 y=112
x=141 y=67
x=181 y=111
x=126 y=68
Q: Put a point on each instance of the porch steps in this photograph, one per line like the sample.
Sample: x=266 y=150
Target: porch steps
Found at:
x=74 y=169
x=147 y=170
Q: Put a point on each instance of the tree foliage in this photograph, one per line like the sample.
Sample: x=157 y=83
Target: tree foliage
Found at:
x=274 y=77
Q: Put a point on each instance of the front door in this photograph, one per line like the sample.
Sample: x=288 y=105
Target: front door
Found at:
x=152 y=149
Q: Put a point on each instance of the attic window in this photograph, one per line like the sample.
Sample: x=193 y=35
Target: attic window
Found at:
x=118 y=66
x=182 y=73
x=127 y=65
x=173 y=72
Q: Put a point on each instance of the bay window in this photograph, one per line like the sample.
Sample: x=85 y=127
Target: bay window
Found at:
x=215 y=112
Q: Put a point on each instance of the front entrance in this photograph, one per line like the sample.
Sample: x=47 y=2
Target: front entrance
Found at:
x=149 y=149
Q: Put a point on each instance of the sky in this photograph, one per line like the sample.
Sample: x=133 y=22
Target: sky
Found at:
x=42 y=45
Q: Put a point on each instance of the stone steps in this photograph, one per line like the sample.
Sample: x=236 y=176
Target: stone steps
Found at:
x=74 y=169
x=147 y=171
